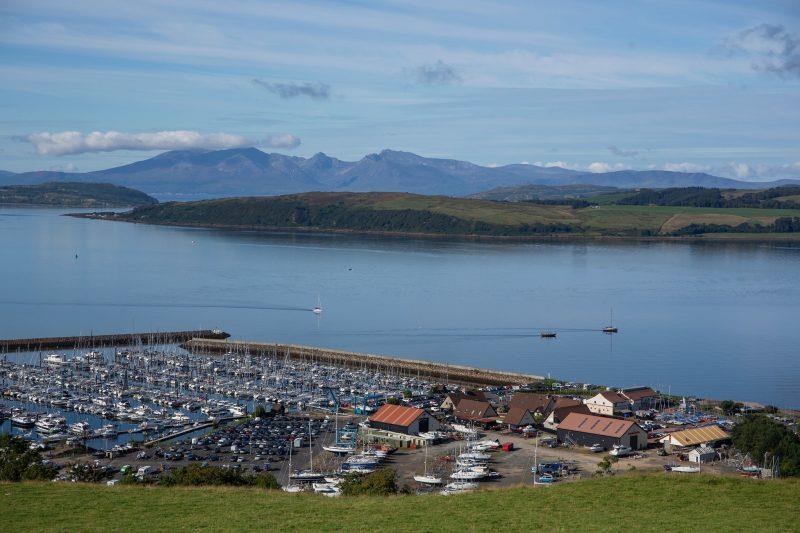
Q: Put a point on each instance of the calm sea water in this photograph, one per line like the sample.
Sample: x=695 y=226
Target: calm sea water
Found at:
x=717 y=320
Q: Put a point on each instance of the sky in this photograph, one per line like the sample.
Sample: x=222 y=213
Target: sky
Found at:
x=694 y=85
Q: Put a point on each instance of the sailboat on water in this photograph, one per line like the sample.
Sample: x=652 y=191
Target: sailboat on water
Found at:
x=610 y=328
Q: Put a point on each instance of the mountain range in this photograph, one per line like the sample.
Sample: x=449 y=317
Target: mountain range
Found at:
x=193 y=174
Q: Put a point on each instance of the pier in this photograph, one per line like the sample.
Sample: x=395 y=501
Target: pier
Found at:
x=100 y=341
x=383 y=363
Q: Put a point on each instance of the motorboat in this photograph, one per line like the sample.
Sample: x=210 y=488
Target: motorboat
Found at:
x=79 y=428
x=55 y=359
x=23 y=420
x=597 y=448
x=620 y=450
x=50 y=423
x=107 y=431
x=548 y=334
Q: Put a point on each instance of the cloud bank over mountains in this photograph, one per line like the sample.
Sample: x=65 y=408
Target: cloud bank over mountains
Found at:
x=75 y=142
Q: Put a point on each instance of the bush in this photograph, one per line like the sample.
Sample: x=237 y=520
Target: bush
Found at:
x=758 y=435
x=89 y=473
x=18 y=462
x=261 y=411
x=196 y=475
x=729 y=407
x=378 y=483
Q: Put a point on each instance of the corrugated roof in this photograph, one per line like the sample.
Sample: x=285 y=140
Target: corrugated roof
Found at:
x=596 y=425
x=396 y=415
x=694 y=436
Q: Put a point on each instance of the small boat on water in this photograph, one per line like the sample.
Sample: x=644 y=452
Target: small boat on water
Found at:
x=55 y=359
x=51 y=423
x=610 y=328
x=548 y=334
x=23 y=420
x=317 y=309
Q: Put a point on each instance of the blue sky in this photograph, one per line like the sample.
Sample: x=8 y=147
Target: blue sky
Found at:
x=696 y=85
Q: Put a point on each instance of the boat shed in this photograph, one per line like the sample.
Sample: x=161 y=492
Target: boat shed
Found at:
x=586 y=430
x=703 y=454
x=404 y=420
x=696 y=436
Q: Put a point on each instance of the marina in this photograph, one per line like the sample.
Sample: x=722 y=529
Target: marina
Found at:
x=107 y=397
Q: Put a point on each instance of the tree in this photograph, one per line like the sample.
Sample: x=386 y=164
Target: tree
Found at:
x=19 y=463
x=758 y=435
x=728 y=407
x=260 y=411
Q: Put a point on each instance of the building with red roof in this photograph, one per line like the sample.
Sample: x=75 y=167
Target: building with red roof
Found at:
x=402 y=419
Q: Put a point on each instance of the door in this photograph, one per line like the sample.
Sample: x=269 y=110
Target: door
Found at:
x=635 y=442
x=423 y=425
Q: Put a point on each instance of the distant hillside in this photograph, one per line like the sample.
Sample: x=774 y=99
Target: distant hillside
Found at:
x=775 y=198
x=70 y=194
x=195 y=174
x=528 y=192
x=409 y=214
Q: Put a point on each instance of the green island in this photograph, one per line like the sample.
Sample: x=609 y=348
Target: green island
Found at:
x=74 y=194
x=610 y=216
x=646 y=502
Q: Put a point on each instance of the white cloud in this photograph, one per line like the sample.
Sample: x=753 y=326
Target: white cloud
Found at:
x=75 y=142
x=600 y=166
x=686 y=167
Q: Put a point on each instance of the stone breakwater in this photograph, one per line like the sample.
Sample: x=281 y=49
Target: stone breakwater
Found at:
x=384 y=363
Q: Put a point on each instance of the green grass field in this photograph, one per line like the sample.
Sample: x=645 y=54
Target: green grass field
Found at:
x=638 y=502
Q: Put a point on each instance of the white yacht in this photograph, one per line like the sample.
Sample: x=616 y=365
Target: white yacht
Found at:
x=50 y=423
x=55 y=359
x=79 y=428
x=620 y=450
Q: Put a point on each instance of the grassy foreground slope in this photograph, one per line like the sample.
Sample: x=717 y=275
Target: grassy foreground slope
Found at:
x=440 y=215
x=653 y=502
